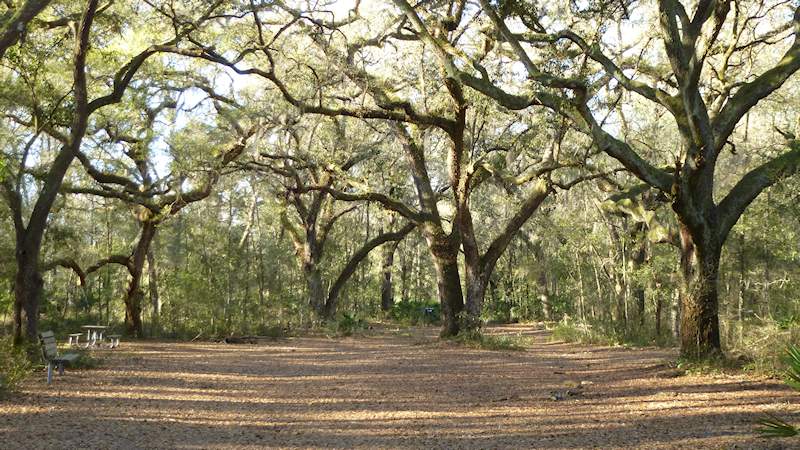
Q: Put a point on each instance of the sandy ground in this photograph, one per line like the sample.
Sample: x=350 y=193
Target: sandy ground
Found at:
x=389 y=390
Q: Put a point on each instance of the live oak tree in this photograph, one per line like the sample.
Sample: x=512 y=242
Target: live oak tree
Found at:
x=435 y=109
x=309 y=216
x=41 y=115
x=701 y=73
x=16 y=19
x=156 y=197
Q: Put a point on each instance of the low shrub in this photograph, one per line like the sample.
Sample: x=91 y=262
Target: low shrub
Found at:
x=86 y=359
x=474 y=338
x=346 y=325
x=416 y=313
x=758 y=340
x=15 y=365
x=570 y=330
x=275 y=331
x=773 y=426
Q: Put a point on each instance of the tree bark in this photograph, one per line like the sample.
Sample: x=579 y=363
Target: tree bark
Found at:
x=451 y=296
x=28 y=280
x=27 y=294
x=135 y=295
x=387 y=286
x=316 y=290
x=152 y=287
x=331 y=302
x=699 y=308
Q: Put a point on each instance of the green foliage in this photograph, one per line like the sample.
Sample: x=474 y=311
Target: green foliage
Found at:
x=14 y=366
x=571 y=330
x=275 y=331
x=87 y=359
x=792 y=360
x=346 y=325
x=416 y=313
x=756 y=340
x=474 y=338
x=718 y=364
x=568 y=330
x=772 y=426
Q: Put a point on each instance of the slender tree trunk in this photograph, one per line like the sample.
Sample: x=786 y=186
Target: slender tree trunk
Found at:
x=387 y=287
x=639 y=257
x=406 y=267
x=544 y=295
x=152 y=287
x=699 y=312
x=658 y=306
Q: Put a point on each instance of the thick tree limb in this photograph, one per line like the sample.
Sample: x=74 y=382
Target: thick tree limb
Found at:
x=14 y=29
x=753 y=183
x=750 y=93
x=385 y=200
x=350 y=268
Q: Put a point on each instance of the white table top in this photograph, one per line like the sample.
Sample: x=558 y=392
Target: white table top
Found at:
x=98 y=327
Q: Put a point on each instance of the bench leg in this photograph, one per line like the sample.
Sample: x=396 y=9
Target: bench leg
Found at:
x=61 y=368
x=49 y=372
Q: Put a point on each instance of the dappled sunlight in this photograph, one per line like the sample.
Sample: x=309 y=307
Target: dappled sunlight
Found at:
x=384 y=391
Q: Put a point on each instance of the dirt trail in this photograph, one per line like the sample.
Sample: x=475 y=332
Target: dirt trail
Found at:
x=389 y=390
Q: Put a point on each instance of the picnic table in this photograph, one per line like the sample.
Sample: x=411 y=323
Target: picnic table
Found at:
x=94 y=334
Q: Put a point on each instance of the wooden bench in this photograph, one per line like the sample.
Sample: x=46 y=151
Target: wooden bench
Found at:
x=51 y=357
x=113 y=340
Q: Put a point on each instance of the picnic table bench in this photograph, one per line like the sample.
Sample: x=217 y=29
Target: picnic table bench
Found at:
x=113 y=340
x=51 y=356
x=74 y=339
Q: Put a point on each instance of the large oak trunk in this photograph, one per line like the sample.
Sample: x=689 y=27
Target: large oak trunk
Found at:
x=476 y=293
x=316 y=290
x=444 y=252
x=135 y=295
x=451 y=297
x=699 y=311
x=27 y=296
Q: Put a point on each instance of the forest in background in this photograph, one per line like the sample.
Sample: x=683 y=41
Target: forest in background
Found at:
x=194 y=168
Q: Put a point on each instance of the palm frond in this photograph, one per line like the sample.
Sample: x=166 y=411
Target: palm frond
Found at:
x=793 y=370
x=773 y=426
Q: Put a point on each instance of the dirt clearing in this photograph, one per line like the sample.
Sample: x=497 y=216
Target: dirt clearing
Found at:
x=390 y=390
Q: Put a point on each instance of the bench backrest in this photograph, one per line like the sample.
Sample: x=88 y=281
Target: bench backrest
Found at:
x=49 y=348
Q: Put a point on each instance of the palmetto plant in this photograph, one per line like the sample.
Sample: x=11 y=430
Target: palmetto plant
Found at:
x=771 y=425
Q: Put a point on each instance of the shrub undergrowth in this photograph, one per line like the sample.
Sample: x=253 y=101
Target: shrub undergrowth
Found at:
x=15 y=365
x=476 y=339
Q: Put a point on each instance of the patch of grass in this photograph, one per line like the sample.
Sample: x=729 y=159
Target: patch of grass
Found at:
x=570 y=330
x=273 y=331
x=416 y=313
x=14 y=366
x=582 y=333
x=715 y=365
x=86 y=359
x=346 y=325
x=758 y=343
x=772 y=426
x=476 y=339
